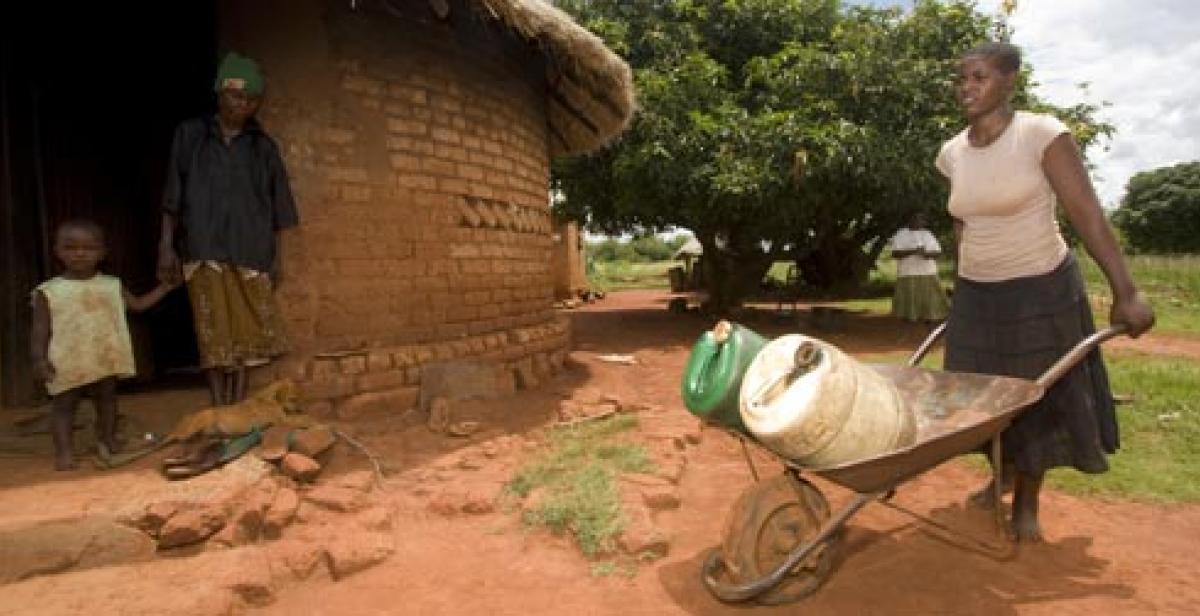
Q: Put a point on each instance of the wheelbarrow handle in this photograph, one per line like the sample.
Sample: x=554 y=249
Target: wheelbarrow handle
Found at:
x=930 y=340
x=1081 y=350
x=1056 y=371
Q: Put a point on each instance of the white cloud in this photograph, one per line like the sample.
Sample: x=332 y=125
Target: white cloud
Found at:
x=1138 y=55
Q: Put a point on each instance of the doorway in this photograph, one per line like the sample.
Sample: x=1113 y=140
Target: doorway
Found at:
x=90 y=95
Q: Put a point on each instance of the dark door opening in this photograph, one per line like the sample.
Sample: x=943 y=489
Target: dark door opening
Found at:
x=91 y=94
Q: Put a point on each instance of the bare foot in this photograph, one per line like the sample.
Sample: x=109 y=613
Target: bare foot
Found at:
x=984 y=498
x=104 y=452
x=1025 y=527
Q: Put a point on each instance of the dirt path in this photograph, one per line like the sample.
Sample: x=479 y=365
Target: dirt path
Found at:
x=1161 y=344
x=1101 y=557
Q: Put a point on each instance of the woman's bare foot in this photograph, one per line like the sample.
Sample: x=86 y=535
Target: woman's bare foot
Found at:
x=106 y=450
x=986 y=497
x=1025 y=526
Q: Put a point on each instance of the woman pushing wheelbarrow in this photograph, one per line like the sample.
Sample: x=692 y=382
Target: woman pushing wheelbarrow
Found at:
x=1021 y=360
x=1019 y=300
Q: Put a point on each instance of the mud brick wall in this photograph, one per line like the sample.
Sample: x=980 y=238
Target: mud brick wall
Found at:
x=418 y=151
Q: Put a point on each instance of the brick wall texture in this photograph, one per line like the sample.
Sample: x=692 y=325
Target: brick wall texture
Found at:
x=418 y=151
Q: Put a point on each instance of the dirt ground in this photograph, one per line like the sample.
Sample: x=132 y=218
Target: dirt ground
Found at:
x=1100 y=557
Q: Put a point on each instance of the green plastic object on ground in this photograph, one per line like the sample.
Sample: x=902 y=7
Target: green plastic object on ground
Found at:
x=713 y=375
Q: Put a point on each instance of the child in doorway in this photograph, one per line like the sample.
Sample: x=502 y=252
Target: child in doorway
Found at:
x=79 y=341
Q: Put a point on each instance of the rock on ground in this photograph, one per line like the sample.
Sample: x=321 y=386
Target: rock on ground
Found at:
x=61 y=545
x=299 y=467
x=280 y=513
x=313 y=441
x=337 y=498
x=355 y=552
x=191 y=526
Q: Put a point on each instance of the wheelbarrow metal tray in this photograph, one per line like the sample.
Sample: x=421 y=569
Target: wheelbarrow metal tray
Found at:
x=957 y=412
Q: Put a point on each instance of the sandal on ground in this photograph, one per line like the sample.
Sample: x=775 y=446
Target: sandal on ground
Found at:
x=209 y=458
x=190 y=451
x=238 y=446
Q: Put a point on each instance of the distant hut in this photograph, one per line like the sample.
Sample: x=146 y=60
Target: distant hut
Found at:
x=687 y=277
x=569 y=260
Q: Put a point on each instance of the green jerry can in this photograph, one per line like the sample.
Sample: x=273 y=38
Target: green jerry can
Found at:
x=713 y=375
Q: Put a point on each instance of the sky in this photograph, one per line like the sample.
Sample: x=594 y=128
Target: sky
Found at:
x=1140 y=56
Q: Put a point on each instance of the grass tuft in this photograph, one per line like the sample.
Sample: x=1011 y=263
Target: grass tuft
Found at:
x=579 y=471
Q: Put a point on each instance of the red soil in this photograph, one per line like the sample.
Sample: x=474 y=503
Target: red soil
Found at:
x=1100 y=556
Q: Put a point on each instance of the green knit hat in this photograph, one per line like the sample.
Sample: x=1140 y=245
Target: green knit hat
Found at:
x=239 y=73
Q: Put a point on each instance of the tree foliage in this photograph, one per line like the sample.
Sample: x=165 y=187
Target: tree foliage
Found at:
x=1160 y=212
x=781 y=129
x=636 y=250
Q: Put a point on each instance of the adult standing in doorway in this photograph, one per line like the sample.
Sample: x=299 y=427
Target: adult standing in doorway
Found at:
x=1019 y=300
x=225 y=203
x=919 y=296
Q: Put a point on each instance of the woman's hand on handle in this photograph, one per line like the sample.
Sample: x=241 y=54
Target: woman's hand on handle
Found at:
x=1132 y=312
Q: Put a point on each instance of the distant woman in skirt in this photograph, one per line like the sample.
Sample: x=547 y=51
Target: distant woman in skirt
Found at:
x=1019 y=300
x=919 y=296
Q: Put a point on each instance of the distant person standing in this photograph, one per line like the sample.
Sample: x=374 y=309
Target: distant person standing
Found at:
x=919 y=296
x=226 y=200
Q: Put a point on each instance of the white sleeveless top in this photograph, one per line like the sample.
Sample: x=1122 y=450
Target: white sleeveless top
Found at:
x=89 y=337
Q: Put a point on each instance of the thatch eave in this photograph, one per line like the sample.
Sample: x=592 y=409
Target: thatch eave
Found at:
x=591 y=97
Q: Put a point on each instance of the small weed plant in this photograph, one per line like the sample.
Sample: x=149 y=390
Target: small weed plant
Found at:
x=578 y=472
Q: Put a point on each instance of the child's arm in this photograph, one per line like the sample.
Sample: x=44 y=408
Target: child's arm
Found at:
x=142 y=302
x=39 y=338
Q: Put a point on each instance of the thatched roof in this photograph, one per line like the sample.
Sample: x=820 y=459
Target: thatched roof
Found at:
x=591 y=99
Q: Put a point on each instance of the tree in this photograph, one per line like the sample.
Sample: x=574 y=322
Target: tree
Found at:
x=1160 y=212
x=652 y=248
x=613 y=250
x=780 y=129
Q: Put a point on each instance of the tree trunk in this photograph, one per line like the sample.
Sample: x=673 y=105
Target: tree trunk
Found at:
x=732 y=273
x=837 y=265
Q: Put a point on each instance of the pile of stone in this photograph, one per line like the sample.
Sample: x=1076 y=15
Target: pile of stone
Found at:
x=257 y=498
x=669 y=435
x=258 y=505
x=296 y=451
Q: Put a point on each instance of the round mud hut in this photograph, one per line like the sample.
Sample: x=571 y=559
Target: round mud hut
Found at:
x=418 y=135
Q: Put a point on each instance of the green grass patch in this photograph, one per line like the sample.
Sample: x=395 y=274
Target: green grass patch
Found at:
x=931 y=361
x=578 y=471
x=1159 y=459
x=610 y=568
x=617 y=275
x=1170 y=283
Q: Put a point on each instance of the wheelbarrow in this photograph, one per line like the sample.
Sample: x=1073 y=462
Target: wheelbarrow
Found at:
x=781 y=540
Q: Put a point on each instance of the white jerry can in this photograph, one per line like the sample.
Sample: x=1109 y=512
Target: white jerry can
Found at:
x=811 y=403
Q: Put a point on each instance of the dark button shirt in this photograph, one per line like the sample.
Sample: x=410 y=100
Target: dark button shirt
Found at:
x=229 y=199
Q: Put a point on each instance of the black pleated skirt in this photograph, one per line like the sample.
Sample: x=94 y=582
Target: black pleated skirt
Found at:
x=1019 y=328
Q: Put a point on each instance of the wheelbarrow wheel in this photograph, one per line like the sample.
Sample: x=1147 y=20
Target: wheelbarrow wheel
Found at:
x=770 y=520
